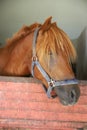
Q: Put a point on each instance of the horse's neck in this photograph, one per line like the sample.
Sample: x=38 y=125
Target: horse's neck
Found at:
x=3 y=57
x=20 y=52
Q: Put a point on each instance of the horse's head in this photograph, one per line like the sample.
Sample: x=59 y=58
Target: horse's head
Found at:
x=55 y=54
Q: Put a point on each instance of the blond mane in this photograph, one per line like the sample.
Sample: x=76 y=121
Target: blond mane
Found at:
x=50 y=36
x=24 y=31
x=56 y=40
x=63 y=43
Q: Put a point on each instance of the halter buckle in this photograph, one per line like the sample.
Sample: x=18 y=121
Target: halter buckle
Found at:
x=51 y=83
x=34 y=58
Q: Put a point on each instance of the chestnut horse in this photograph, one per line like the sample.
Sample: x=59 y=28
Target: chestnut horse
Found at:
x=45 y=51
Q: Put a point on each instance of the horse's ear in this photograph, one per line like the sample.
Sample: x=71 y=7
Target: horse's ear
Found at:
x=46 y=25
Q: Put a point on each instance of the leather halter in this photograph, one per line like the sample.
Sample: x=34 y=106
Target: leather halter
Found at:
x=51 y=83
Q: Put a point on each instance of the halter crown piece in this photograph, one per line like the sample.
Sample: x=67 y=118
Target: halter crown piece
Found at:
x=51 y=83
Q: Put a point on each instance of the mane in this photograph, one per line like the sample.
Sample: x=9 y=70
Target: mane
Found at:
x=56 y=40
x=24 y=31
x=51 y=37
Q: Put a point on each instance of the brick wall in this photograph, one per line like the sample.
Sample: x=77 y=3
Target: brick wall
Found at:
x=25 y=105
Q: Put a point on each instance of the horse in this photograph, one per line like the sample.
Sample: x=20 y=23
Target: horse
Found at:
x=45 y=52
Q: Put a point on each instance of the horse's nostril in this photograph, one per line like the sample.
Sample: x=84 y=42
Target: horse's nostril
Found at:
x=72 y=95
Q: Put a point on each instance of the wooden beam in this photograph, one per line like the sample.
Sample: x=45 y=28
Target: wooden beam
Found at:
x=25 y=105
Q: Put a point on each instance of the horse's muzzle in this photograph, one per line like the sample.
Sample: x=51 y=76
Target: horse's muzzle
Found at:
x=68 y=95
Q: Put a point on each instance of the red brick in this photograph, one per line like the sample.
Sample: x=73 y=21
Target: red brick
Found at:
x=24 y=104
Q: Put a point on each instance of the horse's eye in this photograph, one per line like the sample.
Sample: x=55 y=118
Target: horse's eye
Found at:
x=50 y=53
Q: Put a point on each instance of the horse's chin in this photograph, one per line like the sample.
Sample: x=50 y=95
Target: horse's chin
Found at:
x=65 y=103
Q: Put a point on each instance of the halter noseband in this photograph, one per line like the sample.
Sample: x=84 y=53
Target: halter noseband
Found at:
x=51 y=83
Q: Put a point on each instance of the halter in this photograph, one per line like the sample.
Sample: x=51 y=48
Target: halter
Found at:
x=51 y=83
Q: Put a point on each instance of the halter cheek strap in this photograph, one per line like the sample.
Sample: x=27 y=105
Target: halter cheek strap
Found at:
x=51 y=83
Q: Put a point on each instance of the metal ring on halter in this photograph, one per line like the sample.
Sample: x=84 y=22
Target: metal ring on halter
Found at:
x=51 y=83
x=34 y=58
